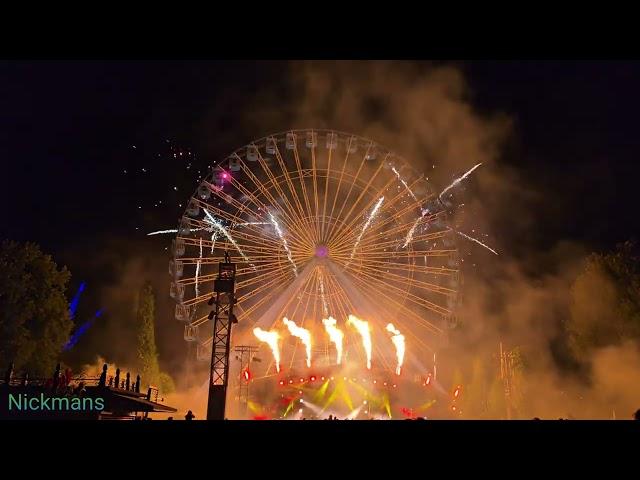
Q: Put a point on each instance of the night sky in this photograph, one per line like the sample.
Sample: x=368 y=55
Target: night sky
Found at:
x=68 y=131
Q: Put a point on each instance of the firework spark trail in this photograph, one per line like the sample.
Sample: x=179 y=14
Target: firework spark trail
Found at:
x=214 y=237
x=365 y=332
x=198 y=264
x=172 y=230
x=409 y=237
x=270 y=338
x=325 y=308
x=404 y=183
x=284 y=242
x=457 y=181
x=365 y=226
x=335 y=335
x=303 y=334
x=160 y=232
x=478 y=242
x=398 y=342
x=224 y=231
x=252 y=223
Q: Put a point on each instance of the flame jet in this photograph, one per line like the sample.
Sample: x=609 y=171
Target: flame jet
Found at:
x=335 y=335
x=303 y=334
x=270 y=338
x=398 y=342
x=365 y=332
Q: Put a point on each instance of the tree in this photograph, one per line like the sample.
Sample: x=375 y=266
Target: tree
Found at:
x=34 y=312
x=605 y=300
x=147 y=355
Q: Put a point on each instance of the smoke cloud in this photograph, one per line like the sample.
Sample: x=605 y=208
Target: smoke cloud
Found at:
x=522 y=298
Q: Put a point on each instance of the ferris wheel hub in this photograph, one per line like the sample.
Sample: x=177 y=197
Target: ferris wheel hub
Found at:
x=322 y=251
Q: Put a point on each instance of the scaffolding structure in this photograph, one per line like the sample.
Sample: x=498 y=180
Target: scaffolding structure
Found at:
x=245 y=354
x=506 y=375
x=224 y=299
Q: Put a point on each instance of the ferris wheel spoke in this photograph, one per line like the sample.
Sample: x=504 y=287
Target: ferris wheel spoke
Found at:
x=271 y=292
x=243 y=236
x=264 y=207
x=290 y=217
x=351 y=185
x=367 y=206
x=381 y=293
x=404 y=326
x=347 y=232
x=276 y=185
x=400 y=228
x=414 y=268
x=305 y=196
x=338 y=188
x=228 y=199
x=387 y=287
x=418 y=283
x=372 y=242
x=281 y=272
x=379 y=246
x=325 y=196
x=289 y=181
x=314 y=169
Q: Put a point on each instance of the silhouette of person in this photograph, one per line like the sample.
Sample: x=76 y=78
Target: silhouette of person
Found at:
x=636 y=416
x=189 y=415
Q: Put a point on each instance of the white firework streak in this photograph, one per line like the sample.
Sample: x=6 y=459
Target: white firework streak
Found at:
x=411 y=232
x=160 y=232
x=365 y=226
x=478 y=242
x=458 y=180
x=198 y=269
x=172 y=230
x=404 y=183
x=224 y=231
x=284 y=242
x=252 y=223
x=214 y=237
x=325 y=309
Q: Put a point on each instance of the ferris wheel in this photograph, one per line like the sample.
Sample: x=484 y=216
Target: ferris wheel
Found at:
x=320 y=224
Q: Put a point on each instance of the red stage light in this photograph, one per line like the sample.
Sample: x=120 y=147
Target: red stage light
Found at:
x=428 y=382
x=321 y=378
x=246 y=374
x=281 y=382
x=313 y=378
x=290 y=381
x=457 y=392
x=302 y=379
